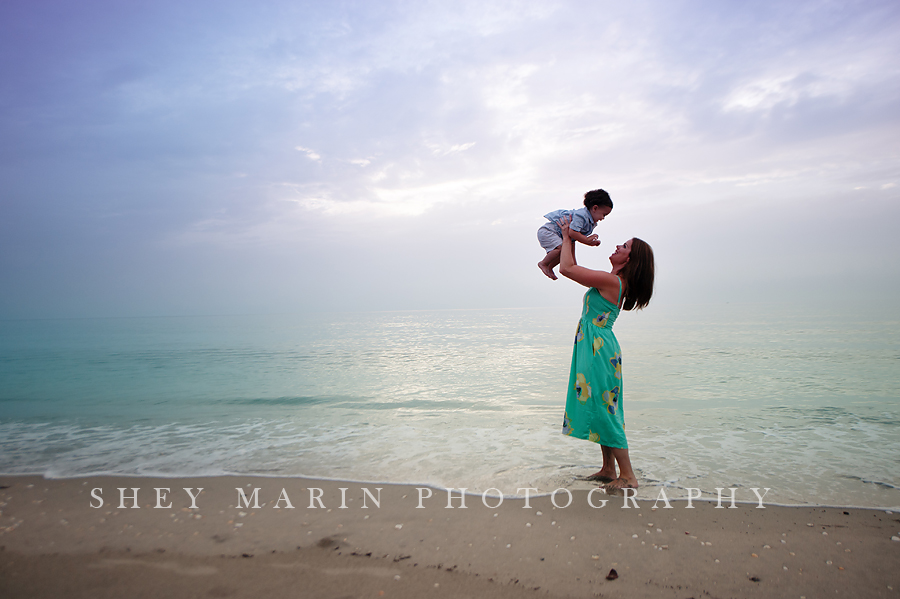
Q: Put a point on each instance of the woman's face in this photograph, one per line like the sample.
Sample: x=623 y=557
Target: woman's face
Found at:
x=620 y=256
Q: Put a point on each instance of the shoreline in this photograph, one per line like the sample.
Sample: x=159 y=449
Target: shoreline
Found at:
x=508 y=550
x=745 y=498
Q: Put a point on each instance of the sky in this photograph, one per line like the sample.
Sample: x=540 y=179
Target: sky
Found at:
x=199 y=157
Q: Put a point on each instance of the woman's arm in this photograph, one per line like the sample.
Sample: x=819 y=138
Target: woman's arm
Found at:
x=569 y=268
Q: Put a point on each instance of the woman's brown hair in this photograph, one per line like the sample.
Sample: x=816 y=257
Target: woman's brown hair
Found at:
x=638 y=274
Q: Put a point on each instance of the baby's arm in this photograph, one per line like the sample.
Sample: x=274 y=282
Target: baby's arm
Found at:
x=585 y=239
x=578 y=222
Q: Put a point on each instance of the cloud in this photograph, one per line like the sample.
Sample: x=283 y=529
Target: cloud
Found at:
x=311 y=154
x=261 y=129
x=439 y=150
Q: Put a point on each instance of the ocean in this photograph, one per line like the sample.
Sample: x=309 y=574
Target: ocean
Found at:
x=802 y=402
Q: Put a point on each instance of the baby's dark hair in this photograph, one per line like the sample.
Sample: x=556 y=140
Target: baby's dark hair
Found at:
x=597 y=197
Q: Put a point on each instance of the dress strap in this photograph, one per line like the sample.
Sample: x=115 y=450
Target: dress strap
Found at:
x=619 y=299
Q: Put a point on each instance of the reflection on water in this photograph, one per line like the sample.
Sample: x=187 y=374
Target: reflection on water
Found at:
x=721 y=396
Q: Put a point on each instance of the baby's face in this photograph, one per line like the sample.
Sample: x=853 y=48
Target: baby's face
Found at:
x=598 y=213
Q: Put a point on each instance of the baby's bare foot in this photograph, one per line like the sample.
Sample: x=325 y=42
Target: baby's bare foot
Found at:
x=547 y=270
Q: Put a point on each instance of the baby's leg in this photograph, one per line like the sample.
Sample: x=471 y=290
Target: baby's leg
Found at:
x=550 y=261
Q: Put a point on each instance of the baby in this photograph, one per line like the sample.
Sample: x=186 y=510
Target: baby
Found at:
x=597 y=205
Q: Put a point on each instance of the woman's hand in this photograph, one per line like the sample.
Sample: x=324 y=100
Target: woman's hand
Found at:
x=564 y=223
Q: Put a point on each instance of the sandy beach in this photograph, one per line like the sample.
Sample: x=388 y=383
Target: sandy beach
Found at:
x=58 y=540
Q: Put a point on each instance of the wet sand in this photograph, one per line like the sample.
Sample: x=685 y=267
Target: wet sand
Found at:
x=55 y=542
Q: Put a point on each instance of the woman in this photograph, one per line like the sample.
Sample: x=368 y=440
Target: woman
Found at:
x=594 y=400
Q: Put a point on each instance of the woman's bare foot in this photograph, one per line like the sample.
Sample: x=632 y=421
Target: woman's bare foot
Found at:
x=604 y=475
x=616 y=487
x=547 y=270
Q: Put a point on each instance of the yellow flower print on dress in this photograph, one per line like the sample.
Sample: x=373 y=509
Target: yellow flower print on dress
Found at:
x=600 y=319
x=593 y=437
x=616 y=361
x=582 y=388
x=611 y=399
x=598 y=343
x=579 y=334
x=567 y=428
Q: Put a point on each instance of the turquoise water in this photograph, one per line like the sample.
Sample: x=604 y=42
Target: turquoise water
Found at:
x=806 y=404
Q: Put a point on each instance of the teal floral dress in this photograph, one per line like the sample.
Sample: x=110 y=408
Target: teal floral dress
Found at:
x=594 y=400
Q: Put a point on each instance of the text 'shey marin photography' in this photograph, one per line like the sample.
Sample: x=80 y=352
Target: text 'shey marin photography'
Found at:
x=456 y=498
